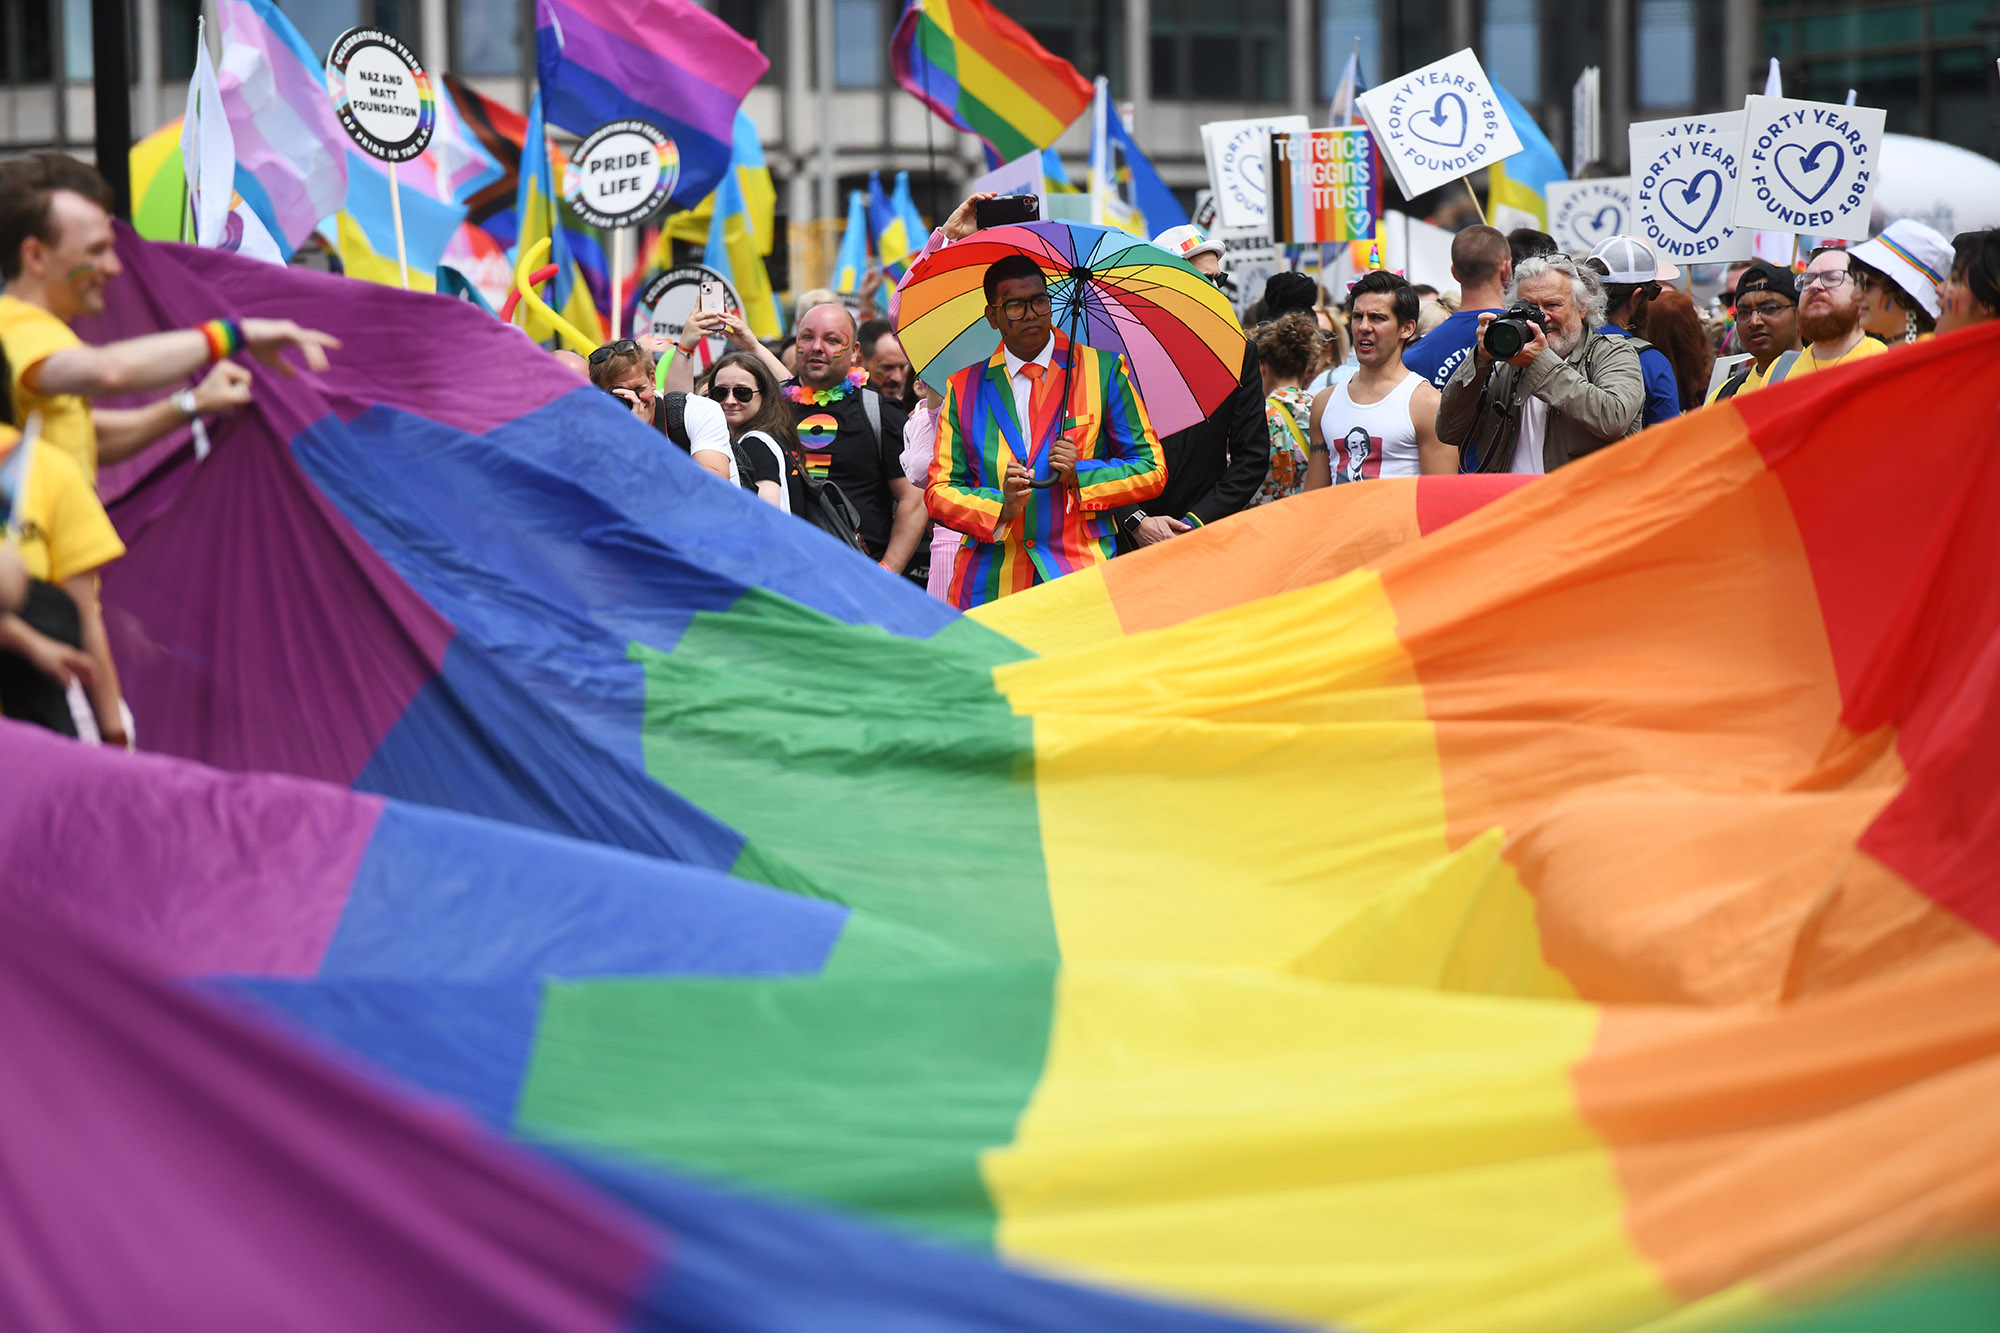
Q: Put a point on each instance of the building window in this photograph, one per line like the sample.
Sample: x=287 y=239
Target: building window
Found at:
x=1510 y=47
x=486 y=37
x=30 y=37
x=177 y=37
x=858 y=43
x=1664 y=43
x=763 y=22
x=321 y=22
x=1340 y=23
x=1216 y=53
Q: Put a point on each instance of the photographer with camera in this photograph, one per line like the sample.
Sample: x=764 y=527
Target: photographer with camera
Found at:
x=1542 y=387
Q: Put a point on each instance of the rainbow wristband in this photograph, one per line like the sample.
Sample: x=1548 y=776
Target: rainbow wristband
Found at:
x=224 y=337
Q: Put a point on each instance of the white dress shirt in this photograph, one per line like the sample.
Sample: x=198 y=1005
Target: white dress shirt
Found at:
x=1024 y=388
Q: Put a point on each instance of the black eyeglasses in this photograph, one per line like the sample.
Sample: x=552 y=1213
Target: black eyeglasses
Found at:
x=1019 y=309
x=609 y=350
x=742 y=393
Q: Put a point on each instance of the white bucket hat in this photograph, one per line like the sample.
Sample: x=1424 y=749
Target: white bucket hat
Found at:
x=1915 y=257
x=1187 y=242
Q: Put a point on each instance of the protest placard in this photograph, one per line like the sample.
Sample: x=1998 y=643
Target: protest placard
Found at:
x=1239 y=162
x=1809 y=167
x=1324 y=186
x=1439 y=123
x=1684 y=182
x=1584 y=213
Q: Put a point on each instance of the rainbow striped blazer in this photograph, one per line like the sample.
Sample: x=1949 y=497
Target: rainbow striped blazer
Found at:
x=1060 y=530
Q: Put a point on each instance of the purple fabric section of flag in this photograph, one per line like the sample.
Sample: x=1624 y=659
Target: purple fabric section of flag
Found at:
x=287 y=135
x=643 y=66
x=198 y=872
x=683 y=34
x=329 y=647
x=173 y=1164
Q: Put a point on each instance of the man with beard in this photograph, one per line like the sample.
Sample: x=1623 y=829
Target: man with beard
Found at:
x=1829 y=317
x=1568 y=392
x=1382 y=422
x=1632 y=278
x=1767 y=324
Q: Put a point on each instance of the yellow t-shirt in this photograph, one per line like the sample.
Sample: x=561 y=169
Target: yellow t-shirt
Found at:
x=30 y=335
x=64 y=531
x=1864 y=349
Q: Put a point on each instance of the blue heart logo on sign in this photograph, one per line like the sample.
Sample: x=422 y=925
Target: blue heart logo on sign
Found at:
x=1810 y=174
x=1444 y=124
x=1605 y=223
x=1682 y=199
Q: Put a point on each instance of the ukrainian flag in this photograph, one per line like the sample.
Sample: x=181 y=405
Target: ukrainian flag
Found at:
x=1515 y=192
x=536 y=206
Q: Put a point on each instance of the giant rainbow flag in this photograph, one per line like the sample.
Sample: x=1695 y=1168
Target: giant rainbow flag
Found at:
x=1452 y=904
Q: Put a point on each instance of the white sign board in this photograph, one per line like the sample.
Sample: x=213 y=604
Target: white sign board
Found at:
x=381 y=94
x=1239 y=161
x=1439 y=123
x=1586 y=139
x=622 y=174
x=1809 y=167
x=1582 y=214
x=1684 y=183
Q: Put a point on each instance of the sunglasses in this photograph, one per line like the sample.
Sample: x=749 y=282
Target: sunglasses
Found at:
x=742 y=393
x=609 y=350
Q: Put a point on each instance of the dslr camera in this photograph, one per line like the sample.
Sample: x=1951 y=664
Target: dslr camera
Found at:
x=1509 y=333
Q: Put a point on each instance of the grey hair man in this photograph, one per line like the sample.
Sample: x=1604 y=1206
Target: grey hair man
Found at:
x=1567 y=392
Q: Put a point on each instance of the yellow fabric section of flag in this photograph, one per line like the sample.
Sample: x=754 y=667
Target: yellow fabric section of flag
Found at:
x=1387 y=1158
x=361 y=261
x=1071 y=613
x=983 y=79
x=1503 y=191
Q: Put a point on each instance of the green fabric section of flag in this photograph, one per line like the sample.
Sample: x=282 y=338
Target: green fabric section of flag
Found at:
x=1962 y=1297
x=882 y=772
x=879 y=1094
x=938 y=48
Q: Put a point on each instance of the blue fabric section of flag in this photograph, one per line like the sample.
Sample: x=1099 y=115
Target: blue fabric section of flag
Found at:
x=446 y=896
x=737 y=1261
x=851 y=265
x=581 y=100
x=273 y=18
x=1054 y=171
x=1537 y=163
x=468 y=1043
x=428 y=224
x=589 y=535
x=259 y=199
x=1149 y=193
x=881 y=218
x=914 y=229
x=538 y=178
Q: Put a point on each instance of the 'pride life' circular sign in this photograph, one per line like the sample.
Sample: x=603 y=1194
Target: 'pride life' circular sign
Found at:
x=622 y=174
x=381 y=94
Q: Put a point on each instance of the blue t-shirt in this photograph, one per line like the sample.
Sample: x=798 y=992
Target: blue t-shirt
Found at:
x=1663 y=393
x=1439 y=353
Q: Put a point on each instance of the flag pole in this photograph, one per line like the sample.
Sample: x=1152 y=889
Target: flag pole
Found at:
x=1475 y=197
x=617 y=280
x=396 y=212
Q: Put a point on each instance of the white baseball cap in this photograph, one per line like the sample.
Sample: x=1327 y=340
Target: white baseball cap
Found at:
x=1628 y=260
x=1915 y=258
x=1187 y=242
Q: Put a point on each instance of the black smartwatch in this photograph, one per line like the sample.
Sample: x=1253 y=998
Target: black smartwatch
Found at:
x=1131 y=522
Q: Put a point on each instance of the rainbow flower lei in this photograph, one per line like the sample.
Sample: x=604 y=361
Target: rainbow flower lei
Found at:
x=799 y=393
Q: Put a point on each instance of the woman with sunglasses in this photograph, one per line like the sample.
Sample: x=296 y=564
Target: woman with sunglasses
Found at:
x=624 y=369
x=760 y=426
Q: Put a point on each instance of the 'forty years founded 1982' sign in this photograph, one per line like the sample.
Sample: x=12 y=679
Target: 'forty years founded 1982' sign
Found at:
x=381 y=94
x=622 y=174
x=1439 y=123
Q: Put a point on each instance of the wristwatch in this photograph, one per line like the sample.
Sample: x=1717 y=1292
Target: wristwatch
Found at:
x=183 y=401
x=1132 y=521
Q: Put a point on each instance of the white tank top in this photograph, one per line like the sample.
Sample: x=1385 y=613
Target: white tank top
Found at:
x=1365 y=441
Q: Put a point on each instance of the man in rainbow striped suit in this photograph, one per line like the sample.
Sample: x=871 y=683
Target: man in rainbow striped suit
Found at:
x=1007 y=425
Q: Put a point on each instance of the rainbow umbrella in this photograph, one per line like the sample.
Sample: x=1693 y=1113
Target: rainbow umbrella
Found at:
x=1111 y=291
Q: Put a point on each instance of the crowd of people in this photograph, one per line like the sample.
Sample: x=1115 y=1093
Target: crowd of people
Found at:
x=994 y=480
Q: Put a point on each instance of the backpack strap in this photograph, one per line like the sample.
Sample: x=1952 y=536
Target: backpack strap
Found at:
x=871 y=407
x=1783 y=366
x=1737 y=379
x=677 y=426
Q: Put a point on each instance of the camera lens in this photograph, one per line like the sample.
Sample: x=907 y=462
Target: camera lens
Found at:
x=1505 y=338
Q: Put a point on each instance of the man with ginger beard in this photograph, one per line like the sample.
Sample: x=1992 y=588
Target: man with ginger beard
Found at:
x=1829 y=317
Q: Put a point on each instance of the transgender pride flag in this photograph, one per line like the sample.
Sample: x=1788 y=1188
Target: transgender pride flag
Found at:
x=291 y=153
x=667 y=61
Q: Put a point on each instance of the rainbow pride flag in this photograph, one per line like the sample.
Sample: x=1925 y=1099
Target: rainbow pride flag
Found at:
x=983 y=73
x=1456 y=903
